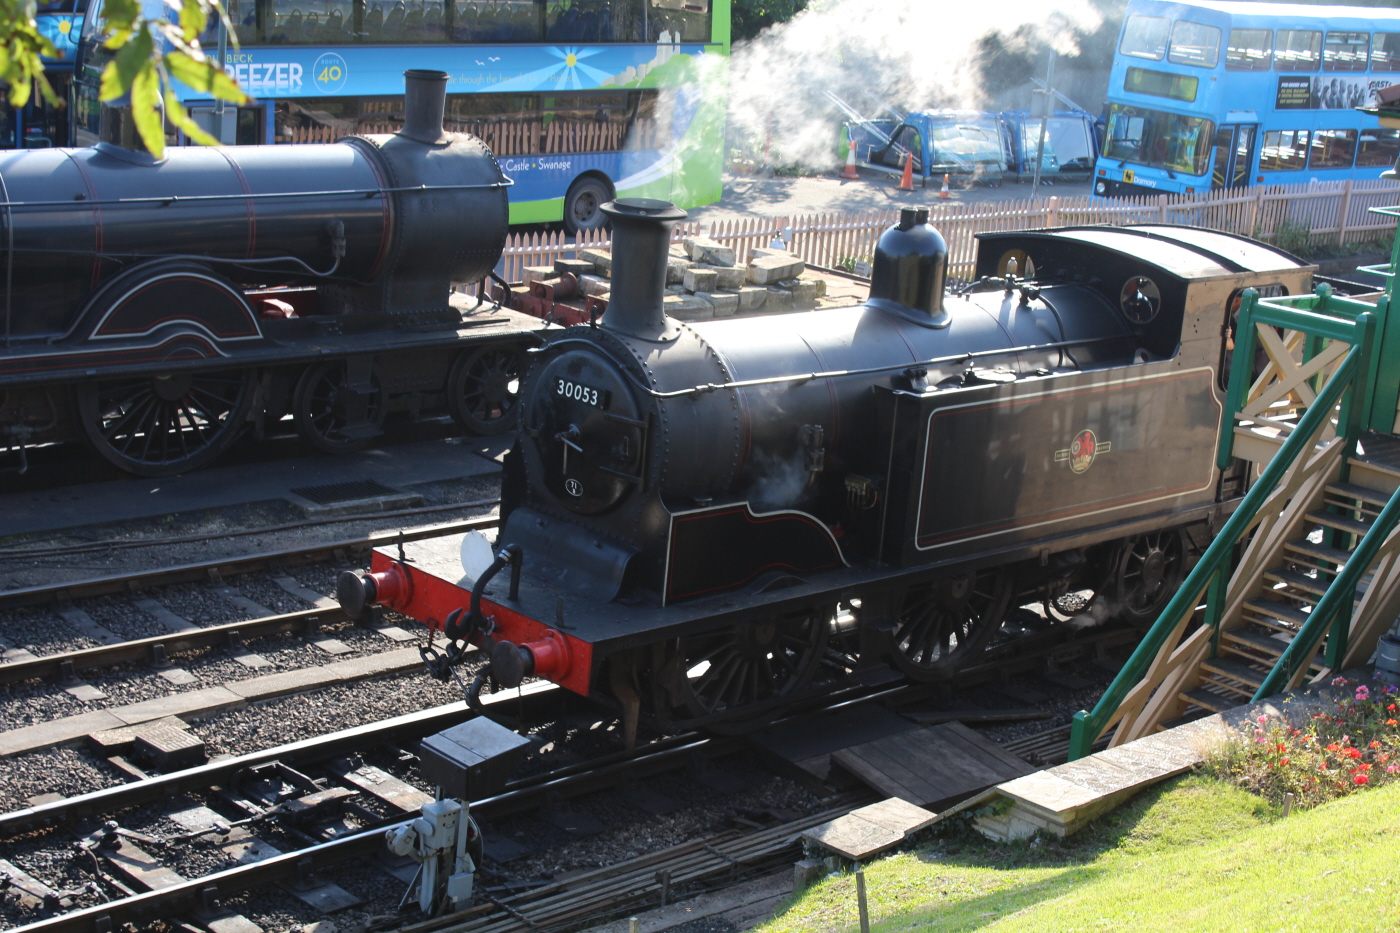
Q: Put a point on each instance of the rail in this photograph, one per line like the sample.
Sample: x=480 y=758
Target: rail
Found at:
x=1337 y=404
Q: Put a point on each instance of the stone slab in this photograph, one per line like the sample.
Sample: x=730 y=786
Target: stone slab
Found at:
x=853 y=837
x=190 y=703
x=178 y=676
x=119 y=741
x=395 y=633
x=65 y=731
x=249 y=659
x=85 y=692
x=767 y=270
x=284 y=683
x=332 y=645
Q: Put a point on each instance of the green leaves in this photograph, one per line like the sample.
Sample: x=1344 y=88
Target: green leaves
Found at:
x=154 y=53
x=21 y=49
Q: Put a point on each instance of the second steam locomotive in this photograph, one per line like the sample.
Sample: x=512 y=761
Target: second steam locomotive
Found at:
x=157 y=308
x=689 y=507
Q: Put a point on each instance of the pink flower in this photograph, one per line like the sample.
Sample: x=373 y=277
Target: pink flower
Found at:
x=1340 y=681
x=1392 y=769
x=1262 y=719
x=1362 y=693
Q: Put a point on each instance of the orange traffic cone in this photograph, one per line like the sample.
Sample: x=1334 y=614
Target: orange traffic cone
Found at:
x=850 y=170
x=907 y=182
x=943 y=193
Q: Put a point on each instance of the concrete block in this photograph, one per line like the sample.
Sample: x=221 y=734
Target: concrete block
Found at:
x=762 y=251
x=779 y=299
x=676 y=290
x=676 y=269
x=704 y=249
x=593 y=285
x=700 y=280
x=687 y=308
x=726 y=276
x=751 y=298
x=531 y=274
x=169 y=749
x=601 y=259
x=820 y=284
x=576 y=266
x=804 y=293
x=768 y=270
x=726 y=304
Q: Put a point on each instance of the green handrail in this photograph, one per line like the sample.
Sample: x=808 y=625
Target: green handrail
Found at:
x=1086 y=726
x=1341 y=590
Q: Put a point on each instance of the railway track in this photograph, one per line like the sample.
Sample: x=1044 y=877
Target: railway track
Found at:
x=717 y=859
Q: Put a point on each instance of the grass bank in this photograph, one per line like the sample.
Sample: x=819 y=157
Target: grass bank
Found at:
x=1193 y=854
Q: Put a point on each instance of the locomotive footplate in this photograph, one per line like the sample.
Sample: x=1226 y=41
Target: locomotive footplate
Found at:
x=570 y=633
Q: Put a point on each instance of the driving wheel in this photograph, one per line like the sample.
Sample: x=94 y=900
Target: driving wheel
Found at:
x=165 y=424
x=942 y=624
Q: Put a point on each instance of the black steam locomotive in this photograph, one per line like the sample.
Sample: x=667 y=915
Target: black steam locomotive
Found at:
x=157 y=307
x=689 y=506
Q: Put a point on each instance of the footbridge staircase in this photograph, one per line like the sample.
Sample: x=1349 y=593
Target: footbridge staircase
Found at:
x=1304 y=577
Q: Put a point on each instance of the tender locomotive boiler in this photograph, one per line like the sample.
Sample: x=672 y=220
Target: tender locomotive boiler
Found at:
x=689 y=504
x=156 y=307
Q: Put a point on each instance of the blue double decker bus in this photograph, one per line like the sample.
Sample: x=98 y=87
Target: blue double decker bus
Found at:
x=580 y=100
x=1209 y=95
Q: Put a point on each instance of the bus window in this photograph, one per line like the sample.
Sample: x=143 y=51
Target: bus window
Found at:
x=1332 y=149
x=1249 y=50
x=1244 y=157
x=679 y=20
x=513 y=21
x=597 y=21
x=1385 y=51
x=1284 y=151
x=1157 y=139
x=1380 y=148
x=1145 y=37
x=299 y=22
x=1297 y=50
x=1194 y=44
x=1345 y=51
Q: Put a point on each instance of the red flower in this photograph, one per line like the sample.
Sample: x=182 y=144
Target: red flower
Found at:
x=1280 y=747
x=1334 y=747
x=1296 y=732
x=1353 y=753
x=1391 y=708
x=1392 y=722
x=1375 y=743
x=1364 y=766
x=1384 y=757
x=1361 y=779
x=1283 y=761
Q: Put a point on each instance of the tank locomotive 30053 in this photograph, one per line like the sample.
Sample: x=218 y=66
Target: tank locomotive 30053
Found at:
x=689 y=507
x=156 y=308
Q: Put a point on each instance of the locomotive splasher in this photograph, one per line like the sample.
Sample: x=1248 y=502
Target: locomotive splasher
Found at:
x=688 y=504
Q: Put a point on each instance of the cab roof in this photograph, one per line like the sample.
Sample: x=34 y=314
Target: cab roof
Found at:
x=1190 y=252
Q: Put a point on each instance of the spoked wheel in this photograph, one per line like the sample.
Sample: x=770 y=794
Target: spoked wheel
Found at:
x=483 y=389
x=721 y=673
x=1150 y=569
x=166 y=424
x=943 y=624
x=324 y=410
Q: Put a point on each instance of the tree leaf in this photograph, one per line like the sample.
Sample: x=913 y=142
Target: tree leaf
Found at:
x=204 y=76
x=145 y=109
x=123 y=70
x=193 y=18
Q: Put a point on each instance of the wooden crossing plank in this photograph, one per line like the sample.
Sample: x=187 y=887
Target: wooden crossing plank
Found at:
x=931 y=767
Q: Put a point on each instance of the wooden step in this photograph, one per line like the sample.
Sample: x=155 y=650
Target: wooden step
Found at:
x=1339 y=522
x=1359 y=493
x=1297 y=580
x=1211 y=701
x=1235 y=670
x=1275 y=610
x=1333 y=555
x=1236 y=638
x=1256 y=641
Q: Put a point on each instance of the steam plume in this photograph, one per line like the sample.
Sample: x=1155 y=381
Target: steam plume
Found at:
x=915 y=54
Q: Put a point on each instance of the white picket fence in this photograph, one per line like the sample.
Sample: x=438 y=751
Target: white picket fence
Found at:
x=1335 y=210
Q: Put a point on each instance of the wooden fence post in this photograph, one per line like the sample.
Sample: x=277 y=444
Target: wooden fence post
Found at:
x=1343 y=212
x=1052 y=210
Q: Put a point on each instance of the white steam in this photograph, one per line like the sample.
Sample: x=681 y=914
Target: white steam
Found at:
x=914 y=54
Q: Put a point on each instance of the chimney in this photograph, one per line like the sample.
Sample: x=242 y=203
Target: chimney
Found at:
x=641 y=242
x=424 y=101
